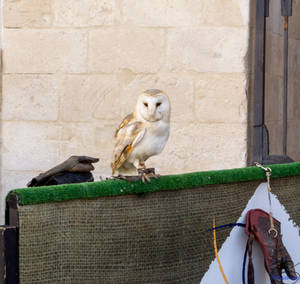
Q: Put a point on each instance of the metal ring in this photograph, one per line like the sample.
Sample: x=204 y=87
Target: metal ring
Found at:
x=274 y=230
x=266 y=169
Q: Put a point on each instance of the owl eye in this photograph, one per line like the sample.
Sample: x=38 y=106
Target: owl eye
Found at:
x=146 y=104
x=158 y=104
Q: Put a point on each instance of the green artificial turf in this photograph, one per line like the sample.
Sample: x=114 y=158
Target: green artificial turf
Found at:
x=45 y=194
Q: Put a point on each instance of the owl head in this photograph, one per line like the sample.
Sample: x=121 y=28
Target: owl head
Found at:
x=153 y=105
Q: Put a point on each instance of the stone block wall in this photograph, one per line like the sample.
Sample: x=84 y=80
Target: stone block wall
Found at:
x=72 y=69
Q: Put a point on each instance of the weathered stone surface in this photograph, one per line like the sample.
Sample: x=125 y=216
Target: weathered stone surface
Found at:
x=221 y=98
x=15 y=179
x=32 y=146
x=198 y=147
x=30 y=97
x=88 y=97
x=180 y=90
x=102 y=97
x=76 y=68
x=77 y=139
x=186 y=12
x=207 y=49
x=11 y=180
x=27 y=13
x=175 y=158
x=44 y=51
x=70 y=13
x=140 y=50
x=104 y=132
x=91 y=139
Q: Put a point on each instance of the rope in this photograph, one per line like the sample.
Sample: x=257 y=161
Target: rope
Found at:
x=216 y=253
x=272 y=228
x=268 y=172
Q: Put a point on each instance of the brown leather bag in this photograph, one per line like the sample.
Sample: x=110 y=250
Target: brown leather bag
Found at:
x=276 y=257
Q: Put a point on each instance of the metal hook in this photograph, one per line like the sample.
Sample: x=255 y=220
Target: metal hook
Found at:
x=267 y=170
x=275 y=232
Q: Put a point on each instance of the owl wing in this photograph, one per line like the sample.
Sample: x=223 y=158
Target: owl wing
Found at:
x=129 y=118
x=128 y=137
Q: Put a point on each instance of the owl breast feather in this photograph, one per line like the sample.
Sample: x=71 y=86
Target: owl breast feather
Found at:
x=152 y=143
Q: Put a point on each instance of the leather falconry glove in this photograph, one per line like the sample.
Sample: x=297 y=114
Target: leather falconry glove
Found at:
x=276 y=257
x=75 y=164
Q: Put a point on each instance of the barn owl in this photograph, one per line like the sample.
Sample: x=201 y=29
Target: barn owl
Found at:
x=142 y=134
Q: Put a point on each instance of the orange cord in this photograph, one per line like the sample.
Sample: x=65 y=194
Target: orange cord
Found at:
x=216 y=252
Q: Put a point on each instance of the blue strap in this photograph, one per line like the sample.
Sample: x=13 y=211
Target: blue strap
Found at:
x=226 y=226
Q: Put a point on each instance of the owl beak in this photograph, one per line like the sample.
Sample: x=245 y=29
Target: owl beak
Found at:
x=153 y=118
x=152 y=113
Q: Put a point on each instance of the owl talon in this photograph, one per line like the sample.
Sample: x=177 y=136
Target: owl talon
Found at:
x=156 y=176
x=145 y=178
x=147 y=174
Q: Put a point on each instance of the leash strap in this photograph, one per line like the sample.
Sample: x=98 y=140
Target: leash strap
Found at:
x=250 y=263
x=268 y=173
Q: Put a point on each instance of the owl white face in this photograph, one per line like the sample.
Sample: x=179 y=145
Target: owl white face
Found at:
x=153 y=105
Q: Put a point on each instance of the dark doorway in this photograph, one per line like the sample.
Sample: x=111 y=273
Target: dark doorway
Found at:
x=276 y=90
